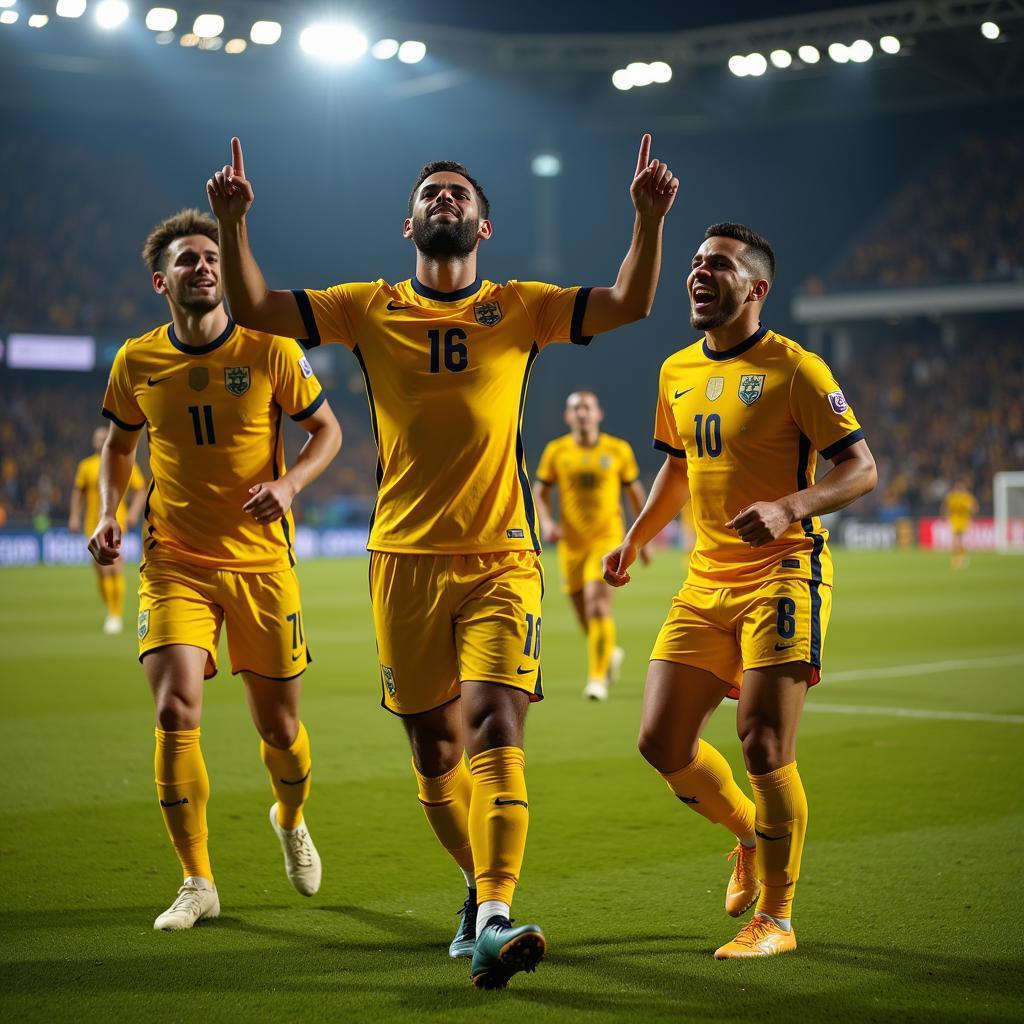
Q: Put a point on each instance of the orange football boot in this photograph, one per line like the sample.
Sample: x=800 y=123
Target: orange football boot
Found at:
x=743 y=889
x=760 y=936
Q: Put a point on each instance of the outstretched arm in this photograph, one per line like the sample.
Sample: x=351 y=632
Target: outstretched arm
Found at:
x=631 y=297
x=252 y=303
x=116 y=461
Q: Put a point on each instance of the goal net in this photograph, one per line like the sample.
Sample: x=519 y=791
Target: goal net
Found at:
x=1008 y=499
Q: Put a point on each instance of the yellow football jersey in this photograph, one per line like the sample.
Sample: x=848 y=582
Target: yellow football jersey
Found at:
x=87 y=479
x=214 y=420
x=749 y=421
x=446 y=377
x=590 y=479
x=960 y=505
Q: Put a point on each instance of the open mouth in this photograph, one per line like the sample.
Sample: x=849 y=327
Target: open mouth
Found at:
x=703 y=298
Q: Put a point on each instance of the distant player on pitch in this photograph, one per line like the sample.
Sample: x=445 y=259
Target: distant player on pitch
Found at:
x=959 y=507
x=742 y=415
x=217 y=540
x=591 y=471
x=85 y=513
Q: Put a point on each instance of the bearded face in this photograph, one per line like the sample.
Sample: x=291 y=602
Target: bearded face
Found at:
x=444 y=234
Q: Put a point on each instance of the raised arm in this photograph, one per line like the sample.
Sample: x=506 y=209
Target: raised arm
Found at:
x=631 y=297
x=116 y=461
x=252 y=303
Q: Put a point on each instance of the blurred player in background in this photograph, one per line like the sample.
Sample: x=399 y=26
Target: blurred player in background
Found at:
x=455 y=576
x=216 y=542
x=959 y=507
x=85 y=513
x=591 y=470
x=741 y=416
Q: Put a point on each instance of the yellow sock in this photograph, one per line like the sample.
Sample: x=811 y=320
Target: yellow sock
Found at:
x=115 y=601
x=289 y=777
x=600 y=644
x=781 y=826
x=499 y=817
x=706 y=784
x=446 y=801
x=184 y=791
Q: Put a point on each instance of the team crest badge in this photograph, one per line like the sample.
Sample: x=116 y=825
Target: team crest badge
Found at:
x=305 y=368
x=237 y=379
x=838 y=402
x=389 y=679
x=606 y=462
x=716 y=385
x=198 y=378
x=487 y=313
x=751 y=385
x=143 y=624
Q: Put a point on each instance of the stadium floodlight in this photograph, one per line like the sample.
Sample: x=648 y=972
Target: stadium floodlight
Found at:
x=7 y=3
x=8 y=17
x=384 y=49
x=111 y=13
x=860 y=51
x=990 y=30
x=207 y=26
x=70 y=8
x=235 y=46
x=738 y=65
x=781 y=58
x=546 y=165
x=756 y=64
x=161 y=19
x=809 y=54
x=661 y=72
x=622 y=80
x=412 y=51
x=333 y=41
x=839 y=52
x=38 y=20
x=640 y=73
x=189 y=39
x=889 y=44
x=265 y=33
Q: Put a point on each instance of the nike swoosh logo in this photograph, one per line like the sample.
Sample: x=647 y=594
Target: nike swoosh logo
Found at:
x=156 y=380
x=679 y=394
x=524 y=671
x=296 y=782
x=392 y=306
x=295 y=657
x=506 y=803
x=786 y=647
x=771 y=839
x=174 y=803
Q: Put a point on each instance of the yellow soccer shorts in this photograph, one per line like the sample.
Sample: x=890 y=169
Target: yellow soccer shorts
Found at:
x=958 y=525
x=581 y=564
x=187 y=604
x=725 y=630
x=442 y=620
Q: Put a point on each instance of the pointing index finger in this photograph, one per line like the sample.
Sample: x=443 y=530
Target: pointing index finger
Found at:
x=645 y=153
x=237 y=163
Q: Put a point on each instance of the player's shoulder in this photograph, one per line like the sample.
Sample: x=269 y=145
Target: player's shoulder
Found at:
x=158 y=337
x=560 y=442
x=611 y=441
x=683 y=357
x=792 y=352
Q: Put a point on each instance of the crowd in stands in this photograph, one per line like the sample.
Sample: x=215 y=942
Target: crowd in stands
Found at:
x=961 y=222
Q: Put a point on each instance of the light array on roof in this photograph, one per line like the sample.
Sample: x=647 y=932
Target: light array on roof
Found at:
x=161 y=19
x=638 y=74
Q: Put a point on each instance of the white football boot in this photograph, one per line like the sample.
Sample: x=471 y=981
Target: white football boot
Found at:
x=197 y=901
x=301 y=861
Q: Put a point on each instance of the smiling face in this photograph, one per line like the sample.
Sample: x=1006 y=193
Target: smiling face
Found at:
x=445 y=221
x=191 y=275
x=722 y=280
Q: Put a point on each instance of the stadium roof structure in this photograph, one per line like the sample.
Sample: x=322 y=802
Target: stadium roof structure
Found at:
x=943 y=61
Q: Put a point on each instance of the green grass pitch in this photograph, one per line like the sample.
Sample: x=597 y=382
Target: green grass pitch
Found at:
x=909 y=906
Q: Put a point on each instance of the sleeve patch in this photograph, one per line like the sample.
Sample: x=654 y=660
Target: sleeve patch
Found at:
x=307 y=370
x=838 y=402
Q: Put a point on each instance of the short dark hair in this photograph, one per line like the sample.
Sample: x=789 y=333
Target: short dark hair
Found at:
x=181 y=225
x=761 y=251
x=456 y=168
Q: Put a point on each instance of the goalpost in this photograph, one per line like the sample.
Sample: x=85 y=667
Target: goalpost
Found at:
x=1008 y=499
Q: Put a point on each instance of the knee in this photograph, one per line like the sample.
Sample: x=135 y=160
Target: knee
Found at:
x=280 y=731
x=763 y=749
x=662 y=754
x=174 y=713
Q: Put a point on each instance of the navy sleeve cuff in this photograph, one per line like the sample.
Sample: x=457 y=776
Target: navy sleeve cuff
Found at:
x=841 y=445
x=576 y=335
x=662 y=447
x=312 y=338
x=121 y=423
x=541 y=480
x=630 y=482
x=310 y=409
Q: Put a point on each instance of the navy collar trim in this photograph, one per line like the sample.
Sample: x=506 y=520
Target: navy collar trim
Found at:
x=201 y=350
x=736 y=350
x=432 y=293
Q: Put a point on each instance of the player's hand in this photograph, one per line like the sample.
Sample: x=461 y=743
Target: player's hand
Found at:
x=270 y=501
x=654 y=188
x=105 y=543
x=550 y=532
x=645 y=556
x=616 y=562
x=761 y=523
x=229 y=191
